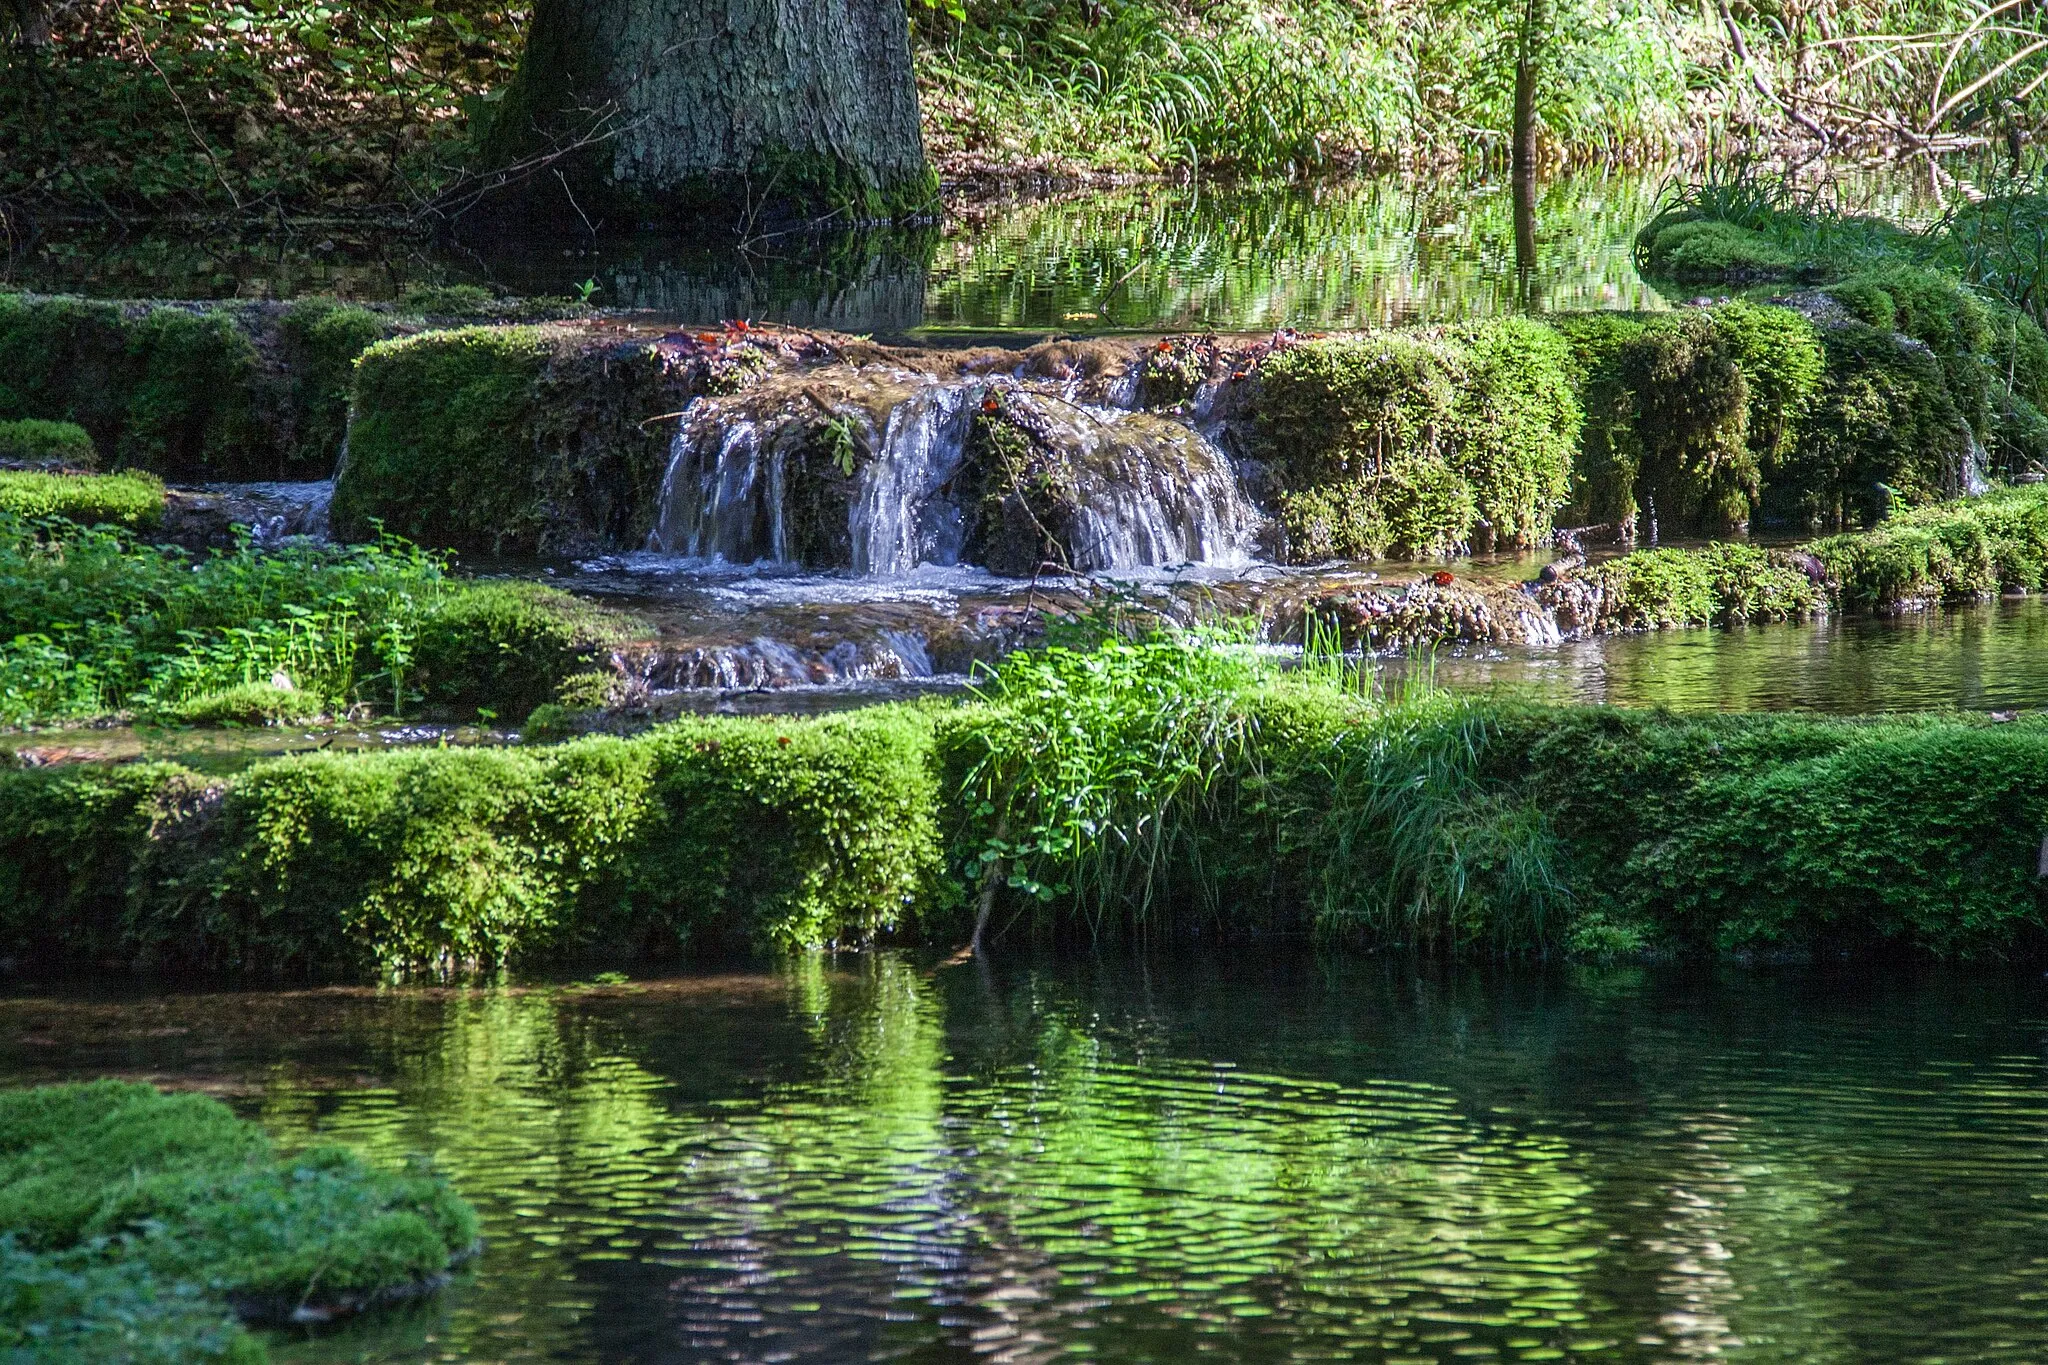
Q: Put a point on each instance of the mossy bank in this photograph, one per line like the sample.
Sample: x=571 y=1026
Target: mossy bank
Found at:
x=202 y=391
x=1412 y=442
x=1166 y=787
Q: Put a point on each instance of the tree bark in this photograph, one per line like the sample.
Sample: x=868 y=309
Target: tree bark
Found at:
x=31 y=22
x=745 y=108
x=1538 y=18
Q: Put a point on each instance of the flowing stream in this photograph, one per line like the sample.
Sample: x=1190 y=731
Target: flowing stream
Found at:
x=1250 y=1158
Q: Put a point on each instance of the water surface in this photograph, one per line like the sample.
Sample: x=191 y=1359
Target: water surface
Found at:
x=1264 y=1158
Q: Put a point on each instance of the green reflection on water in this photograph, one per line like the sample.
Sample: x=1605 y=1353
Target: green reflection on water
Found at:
x=1983 y=658
x=1346 y=255
x=1251 y=1159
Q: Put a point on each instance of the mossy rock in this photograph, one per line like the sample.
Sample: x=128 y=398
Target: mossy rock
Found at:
x=1953 y=552
x=1689 y=412
x=142 y=1223
x=508 y=440
x=1709 y=249
x=32 y=440
x=130 y=499
x=1411 y=440
x=510 y=645
x=195 y=392
x=256 y=703
x=1883 y=429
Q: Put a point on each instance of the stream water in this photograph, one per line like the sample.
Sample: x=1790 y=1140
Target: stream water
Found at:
x=1244 y=1159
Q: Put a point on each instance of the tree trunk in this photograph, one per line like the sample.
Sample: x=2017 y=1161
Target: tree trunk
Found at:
x=31 y=22
x=1538 y=17
x=745 y=110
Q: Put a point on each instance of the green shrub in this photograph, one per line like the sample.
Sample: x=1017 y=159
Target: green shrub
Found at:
x=93 y=624
x=63 y=443
x=178 y=1207
x=131 y=499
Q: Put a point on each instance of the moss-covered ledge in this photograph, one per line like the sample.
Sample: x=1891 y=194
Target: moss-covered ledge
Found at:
x=511 y=440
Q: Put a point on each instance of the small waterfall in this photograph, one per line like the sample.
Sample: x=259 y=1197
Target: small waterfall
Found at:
x=1974 y=483
x=900 y=519
x=1149 y=490
x=723 y=494
x=1152 y=491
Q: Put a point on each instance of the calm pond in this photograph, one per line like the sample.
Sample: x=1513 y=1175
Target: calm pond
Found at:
x=1349 y=253
x=1250 y=1158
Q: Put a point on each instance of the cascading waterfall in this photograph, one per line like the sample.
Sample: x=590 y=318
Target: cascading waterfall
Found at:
x=722 y=496
x=1151 y=490
x=900 y=518
x=1974 y=483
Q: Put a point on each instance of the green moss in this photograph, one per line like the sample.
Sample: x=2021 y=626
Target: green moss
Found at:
x=1410 y=440
x=187 y=392
x=68 y=360
x=1774 y=832
x=506 y=440
x=131 y=499
x=174 y=1198
x=795 y=832
x=1687 y=412
x=191 y=412
x=440 y=451
x=1782 y=361
x=1604 y=469
x=321 y=339
x=1883 y=427
x=63 y=443
x=446 y=300
x=508 y=645
x=250 y=704
x=1705 y=249
x=1716 y=584
x=1949 y=552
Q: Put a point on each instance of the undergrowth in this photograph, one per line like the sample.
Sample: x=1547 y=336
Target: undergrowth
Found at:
x=95 y=624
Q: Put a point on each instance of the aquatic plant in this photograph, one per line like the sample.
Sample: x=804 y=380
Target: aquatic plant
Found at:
x=136 y=1219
